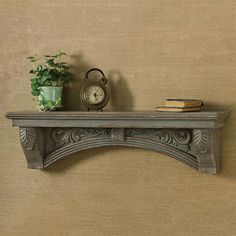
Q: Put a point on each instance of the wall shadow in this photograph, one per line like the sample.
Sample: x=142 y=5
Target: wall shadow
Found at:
x=121 y=97
x=71 y=93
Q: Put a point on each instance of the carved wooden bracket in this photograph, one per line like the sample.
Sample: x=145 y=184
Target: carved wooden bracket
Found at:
x=192 y=138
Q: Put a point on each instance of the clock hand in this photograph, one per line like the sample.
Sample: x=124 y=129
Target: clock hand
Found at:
x=97 y=95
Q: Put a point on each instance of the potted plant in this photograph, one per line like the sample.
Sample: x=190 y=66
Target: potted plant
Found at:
x=48 y=79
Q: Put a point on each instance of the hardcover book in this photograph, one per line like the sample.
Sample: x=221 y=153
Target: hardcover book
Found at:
x=182 y=103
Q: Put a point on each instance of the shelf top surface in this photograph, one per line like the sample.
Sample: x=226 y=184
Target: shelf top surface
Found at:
x=68 y=115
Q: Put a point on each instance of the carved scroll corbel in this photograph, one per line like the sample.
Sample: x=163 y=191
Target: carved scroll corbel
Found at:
x=207 y=149
x=32 y=142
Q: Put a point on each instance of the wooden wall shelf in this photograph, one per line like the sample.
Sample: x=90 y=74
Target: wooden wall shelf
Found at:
x=193 y=138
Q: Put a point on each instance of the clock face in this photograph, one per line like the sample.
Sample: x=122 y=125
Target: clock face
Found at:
x=94 y=95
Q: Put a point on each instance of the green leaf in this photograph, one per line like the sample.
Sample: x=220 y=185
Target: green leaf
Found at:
x=47 y=56
x=39 y=68
x=50 y=62
x=33 y=58
x=59 y=54
x=45 y=76
x=51 y=72
x=47 y=83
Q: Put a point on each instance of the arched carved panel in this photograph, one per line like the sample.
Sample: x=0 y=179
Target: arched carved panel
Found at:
x=175 y=143
x=130 y=142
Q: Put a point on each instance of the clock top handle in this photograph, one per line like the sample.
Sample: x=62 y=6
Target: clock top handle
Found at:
x=104 y=79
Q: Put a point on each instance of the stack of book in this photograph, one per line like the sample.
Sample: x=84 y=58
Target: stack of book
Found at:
x=181 y=105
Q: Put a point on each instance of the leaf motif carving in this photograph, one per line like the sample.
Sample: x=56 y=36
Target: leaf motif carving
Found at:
x=202 y=139
x=27 y=137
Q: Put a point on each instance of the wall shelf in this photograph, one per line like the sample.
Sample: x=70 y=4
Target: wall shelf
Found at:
x=193 y=138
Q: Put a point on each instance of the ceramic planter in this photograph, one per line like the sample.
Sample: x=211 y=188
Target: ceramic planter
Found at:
x=50 y=98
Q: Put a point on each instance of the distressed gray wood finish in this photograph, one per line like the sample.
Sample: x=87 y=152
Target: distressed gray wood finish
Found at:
x=193 y=138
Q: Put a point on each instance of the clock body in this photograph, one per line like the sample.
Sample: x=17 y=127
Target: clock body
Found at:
x=95 y=94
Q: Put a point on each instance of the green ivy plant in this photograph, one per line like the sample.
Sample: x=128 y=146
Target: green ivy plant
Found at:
x=52 y=71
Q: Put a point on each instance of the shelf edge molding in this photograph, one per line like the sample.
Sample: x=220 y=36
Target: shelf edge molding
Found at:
x=193 y=138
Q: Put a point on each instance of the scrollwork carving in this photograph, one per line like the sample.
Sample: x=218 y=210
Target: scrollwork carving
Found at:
x=27 y=137
x=65 y=136
x=175 y=137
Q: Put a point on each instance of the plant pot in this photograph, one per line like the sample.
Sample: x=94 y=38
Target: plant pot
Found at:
x=50 y=98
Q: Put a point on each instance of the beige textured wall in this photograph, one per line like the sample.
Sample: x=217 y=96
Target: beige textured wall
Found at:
x=153 y=50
